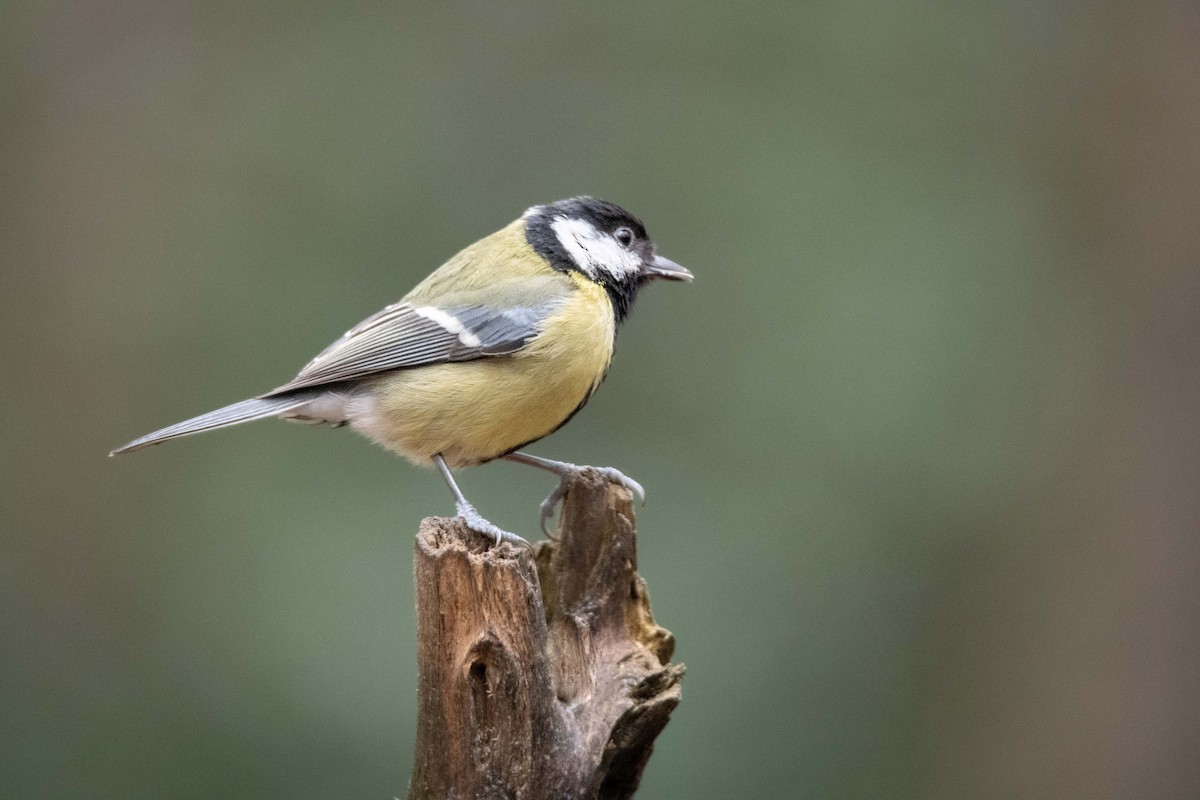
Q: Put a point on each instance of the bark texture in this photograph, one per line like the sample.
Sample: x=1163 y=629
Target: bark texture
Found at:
x=542 y=675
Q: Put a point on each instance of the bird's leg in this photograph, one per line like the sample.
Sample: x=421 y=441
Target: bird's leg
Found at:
x=467 y=511
x=565 y=472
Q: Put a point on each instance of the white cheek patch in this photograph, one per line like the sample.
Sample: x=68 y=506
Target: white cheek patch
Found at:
x=449 y=322
x=593 y=251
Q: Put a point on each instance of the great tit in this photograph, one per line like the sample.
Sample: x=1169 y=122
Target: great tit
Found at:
x=498 y=347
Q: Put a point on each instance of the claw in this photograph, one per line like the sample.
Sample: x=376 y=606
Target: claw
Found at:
x=629 y=483
x=548 y=505
x=565 y=472
x=480 y=525
x=555 y=497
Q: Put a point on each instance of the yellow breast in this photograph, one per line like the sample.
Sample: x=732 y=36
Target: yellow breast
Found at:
x=474 y=411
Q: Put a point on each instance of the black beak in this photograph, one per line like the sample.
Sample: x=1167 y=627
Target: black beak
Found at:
x=666 y=268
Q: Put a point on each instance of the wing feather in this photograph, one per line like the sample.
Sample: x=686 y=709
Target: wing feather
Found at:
x=407 y=335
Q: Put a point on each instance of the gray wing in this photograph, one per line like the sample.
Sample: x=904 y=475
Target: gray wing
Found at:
x=403 y=335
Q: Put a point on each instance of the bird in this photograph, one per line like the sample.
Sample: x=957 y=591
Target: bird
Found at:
x=497 y=348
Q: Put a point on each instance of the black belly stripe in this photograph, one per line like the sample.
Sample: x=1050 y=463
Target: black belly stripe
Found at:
x=565 y=420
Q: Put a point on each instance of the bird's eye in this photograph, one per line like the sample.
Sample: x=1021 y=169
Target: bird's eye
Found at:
x=624 y=236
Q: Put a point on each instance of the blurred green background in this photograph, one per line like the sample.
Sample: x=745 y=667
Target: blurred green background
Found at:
x=921 y=441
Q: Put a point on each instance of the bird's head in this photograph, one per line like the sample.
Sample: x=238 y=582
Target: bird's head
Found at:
x=601 y=241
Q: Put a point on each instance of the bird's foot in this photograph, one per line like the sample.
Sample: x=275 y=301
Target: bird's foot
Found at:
x=566 y=472
x=480 y=525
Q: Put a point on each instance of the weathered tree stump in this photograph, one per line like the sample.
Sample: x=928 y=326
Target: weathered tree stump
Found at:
x=542 y=675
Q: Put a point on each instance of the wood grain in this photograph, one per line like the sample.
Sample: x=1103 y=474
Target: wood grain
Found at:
x=542 y=675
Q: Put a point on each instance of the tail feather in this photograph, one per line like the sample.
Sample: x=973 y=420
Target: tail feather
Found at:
x=245 y=411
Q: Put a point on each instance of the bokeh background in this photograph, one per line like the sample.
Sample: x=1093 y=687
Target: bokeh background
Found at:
x=921 y=441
